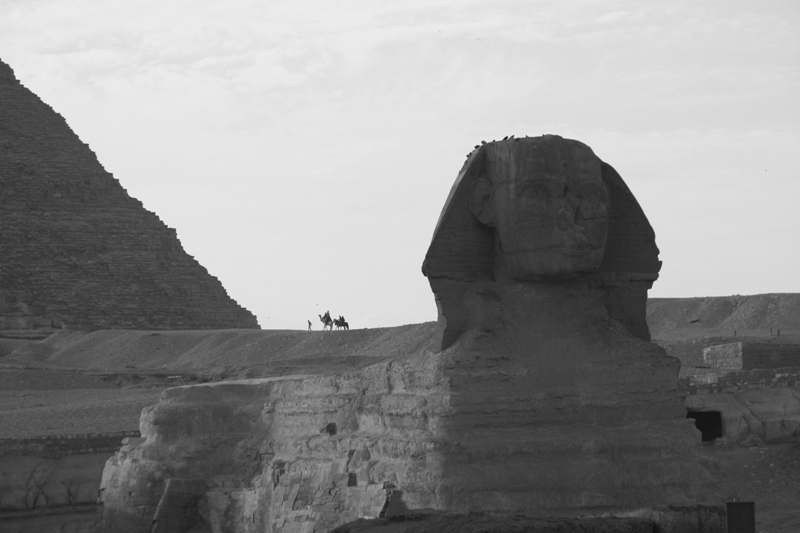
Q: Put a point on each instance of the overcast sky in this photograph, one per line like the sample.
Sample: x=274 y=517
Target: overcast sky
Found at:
x=304 y=149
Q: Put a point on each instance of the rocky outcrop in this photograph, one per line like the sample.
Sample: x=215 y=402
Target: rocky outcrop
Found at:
x=77 y=249
x=542 y=394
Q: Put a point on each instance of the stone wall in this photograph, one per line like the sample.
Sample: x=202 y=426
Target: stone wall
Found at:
x=765 y=355
x=749 y=355
x=724 y=356
x=77 y=249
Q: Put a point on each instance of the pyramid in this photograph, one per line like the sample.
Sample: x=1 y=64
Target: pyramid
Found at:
x=76 y=250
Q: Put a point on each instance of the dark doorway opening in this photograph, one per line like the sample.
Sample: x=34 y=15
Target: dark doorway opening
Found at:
x=708 y=422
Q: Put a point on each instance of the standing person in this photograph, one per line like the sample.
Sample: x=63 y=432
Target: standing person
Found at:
x=309 y=325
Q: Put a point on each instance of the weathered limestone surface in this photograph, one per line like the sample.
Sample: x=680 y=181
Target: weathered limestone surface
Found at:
x=542 y=209
x=296 y=454
x=545 y=396
x=77 y=250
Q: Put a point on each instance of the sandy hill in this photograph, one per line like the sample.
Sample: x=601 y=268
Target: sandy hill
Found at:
x=679 y=324
x=98 y=382
x=268 y=352
x=670 y=316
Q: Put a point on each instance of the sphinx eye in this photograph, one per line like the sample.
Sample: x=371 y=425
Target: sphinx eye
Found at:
x=593 y=203
x=534 y=190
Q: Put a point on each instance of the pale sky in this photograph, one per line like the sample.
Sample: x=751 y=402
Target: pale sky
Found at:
x=304 y=149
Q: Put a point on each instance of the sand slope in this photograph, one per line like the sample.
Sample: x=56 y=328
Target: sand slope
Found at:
x=264 y=351
x=669 y=316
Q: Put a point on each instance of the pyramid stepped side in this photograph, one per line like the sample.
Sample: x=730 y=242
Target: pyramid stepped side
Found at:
x=76 y=249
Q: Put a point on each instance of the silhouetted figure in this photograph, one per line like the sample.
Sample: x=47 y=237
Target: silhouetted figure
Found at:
x=326 y=321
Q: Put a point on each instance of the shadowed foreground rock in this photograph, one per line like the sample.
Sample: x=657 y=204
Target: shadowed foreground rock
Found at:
x=76 y=249
x=544 y=398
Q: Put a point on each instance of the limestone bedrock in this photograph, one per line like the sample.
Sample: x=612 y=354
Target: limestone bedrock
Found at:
x=546 y=396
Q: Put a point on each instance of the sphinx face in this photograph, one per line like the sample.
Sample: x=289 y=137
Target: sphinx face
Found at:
x=549 y=207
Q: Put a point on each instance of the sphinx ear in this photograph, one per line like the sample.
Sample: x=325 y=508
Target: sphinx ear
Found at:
x=480 y=202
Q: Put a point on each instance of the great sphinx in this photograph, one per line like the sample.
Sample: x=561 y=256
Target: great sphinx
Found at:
x=542 y=394
x=540 y=264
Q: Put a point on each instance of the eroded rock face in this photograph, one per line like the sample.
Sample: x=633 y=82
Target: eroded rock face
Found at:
x=545 y=398
x=293 y=454
x=77 y=250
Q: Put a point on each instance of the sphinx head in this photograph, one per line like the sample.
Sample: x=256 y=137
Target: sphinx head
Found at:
x=541 y=210
x=545 y=200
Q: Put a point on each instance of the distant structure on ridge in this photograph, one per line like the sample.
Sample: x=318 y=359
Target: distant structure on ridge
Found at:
x=76 y=250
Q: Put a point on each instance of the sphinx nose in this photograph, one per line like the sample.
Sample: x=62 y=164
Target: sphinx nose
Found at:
x=573 y=232
x=564 y=220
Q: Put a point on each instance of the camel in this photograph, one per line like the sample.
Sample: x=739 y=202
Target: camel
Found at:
x=326 y=321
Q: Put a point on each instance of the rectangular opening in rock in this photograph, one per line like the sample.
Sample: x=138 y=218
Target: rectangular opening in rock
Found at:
x=708 y=422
